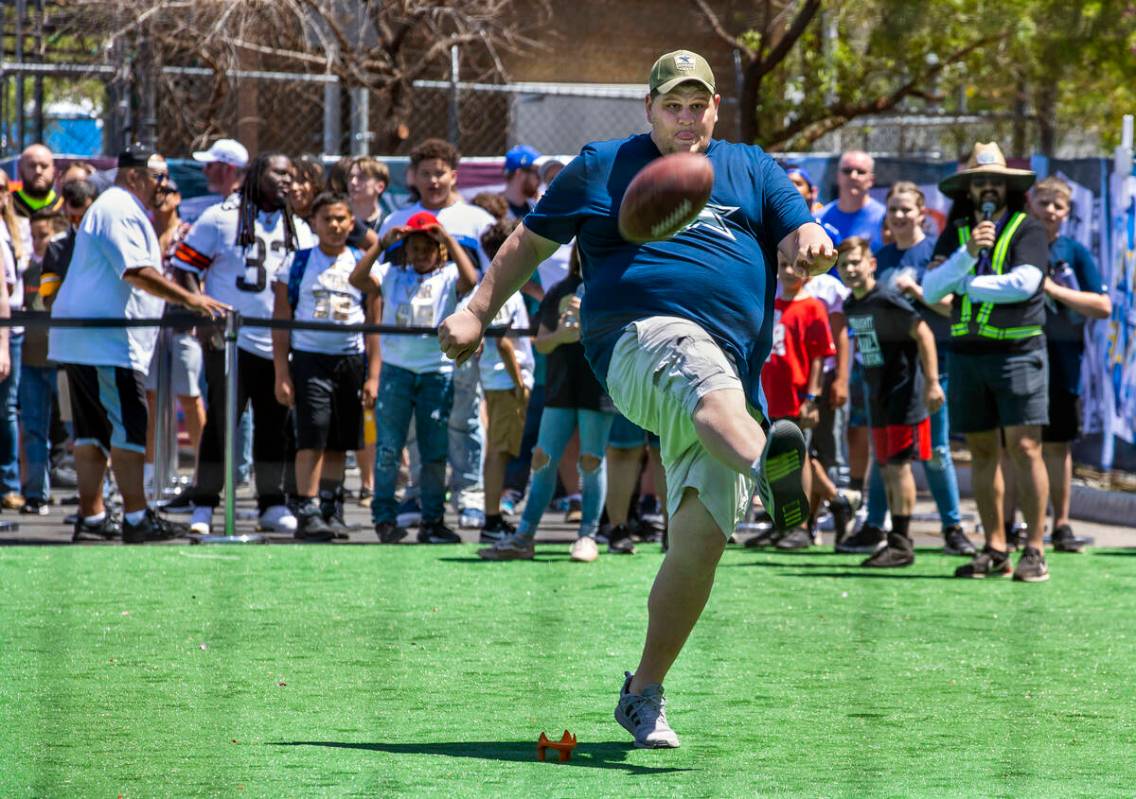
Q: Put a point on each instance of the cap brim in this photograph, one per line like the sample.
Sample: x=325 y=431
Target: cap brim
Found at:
x=204 y=156
x=1016 y=179
x=671 y=85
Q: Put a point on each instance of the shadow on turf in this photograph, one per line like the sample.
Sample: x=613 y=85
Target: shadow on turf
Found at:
x=607 y=755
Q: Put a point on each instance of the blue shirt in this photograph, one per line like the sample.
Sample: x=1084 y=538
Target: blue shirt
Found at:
x=1072 y=266
x=890 y=261
x=719 y=272
x=867 y=223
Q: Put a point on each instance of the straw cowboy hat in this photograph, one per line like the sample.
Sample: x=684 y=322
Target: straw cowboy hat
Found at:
x=987 y=159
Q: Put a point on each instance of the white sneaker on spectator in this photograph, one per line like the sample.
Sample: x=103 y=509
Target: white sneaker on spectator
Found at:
x=277 y=519
x=584 y=549
x=201 y=522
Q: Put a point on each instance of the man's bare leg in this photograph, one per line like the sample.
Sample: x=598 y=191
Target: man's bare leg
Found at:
x=128 y=471
x=1058 y=457
x=1024 y=446
x=90 y=467
x=986 y=450
x=681 y=588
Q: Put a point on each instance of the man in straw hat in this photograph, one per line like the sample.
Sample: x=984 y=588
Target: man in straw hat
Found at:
x=995 y=262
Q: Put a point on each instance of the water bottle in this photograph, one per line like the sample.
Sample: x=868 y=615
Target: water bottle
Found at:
x=572 y=316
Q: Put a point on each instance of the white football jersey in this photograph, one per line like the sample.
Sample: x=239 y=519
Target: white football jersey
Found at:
x=241 y=277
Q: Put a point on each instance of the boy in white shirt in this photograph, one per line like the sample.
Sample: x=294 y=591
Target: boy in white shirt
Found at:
x=416 y=377
x=331 y=375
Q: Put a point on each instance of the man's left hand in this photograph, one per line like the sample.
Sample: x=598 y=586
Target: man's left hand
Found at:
x=933 y=395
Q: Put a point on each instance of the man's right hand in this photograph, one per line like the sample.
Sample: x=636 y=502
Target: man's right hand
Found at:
x=206 y=306
x=285 y=394
x=460 y=335
x=982 y=238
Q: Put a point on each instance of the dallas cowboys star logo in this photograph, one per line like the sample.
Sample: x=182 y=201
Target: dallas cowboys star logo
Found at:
x=713 y=217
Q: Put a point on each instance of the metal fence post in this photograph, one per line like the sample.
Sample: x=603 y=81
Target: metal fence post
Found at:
x=360 y=121
x=332 y=133
x=455 y=97
x=232 y=326
x=162 y=405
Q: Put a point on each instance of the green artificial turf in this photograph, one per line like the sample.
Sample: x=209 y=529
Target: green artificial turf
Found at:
x=419 y=671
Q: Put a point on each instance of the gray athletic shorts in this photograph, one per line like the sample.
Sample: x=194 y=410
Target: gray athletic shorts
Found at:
x=185 y=375
x=987 y=391
x=660 y=369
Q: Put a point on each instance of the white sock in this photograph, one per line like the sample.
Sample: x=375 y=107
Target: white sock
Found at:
x=135 y=516
x=98 y=518
x=148 y=473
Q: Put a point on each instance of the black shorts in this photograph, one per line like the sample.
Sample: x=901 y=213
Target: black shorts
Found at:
x=992 y=389
x=108 y=405
x=329 y=405
x=1064 y=416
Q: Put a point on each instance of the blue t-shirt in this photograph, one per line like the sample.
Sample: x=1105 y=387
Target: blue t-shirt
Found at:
x=867 y=223
x=719 y=272
x=890 y=261
x=1072 y=266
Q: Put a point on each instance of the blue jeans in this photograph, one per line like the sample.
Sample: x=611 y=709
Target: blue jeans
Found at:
x=467 y=438
x=556 y=426
x=37 y=391
x=429 y=398
x=517 y=472
x=939 y=471
x=10 y=419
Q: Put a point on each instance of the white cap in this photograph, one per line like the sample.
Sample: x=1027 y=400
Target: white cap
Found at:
x=225 y=151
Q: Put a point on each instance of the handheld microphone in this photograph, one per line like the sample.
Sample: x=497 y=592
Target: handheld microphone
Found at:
x=988 y=208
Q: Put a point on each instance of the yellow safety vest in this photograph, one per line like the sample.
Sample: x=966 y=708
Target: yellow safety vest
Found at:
x=982 y=326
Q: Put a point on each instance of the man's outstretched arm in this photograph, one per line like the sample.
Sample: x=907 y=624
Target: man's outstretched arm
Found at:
x=461 y=332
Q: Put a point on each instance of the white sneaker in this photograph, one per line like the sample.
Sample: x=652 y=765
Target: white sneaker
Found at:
x=645 y=716
x=201 y=522
x=584 y=549
x=277 y=519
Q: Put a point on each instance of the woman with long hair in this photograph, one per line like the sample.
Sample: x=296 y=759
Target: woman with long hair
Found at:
x=16 y=233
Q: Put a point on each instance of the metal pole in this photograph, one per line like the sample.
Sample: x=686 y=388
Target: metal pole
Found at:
x=332 y=134
x=21 y=10
x=37 y=81
x=360 y=121
x=455 y=96
x=162 y=417
x=232 y=325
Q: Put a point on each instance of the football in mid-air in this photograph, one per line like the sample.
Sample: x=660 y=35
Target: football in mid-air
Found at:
x=665 y=197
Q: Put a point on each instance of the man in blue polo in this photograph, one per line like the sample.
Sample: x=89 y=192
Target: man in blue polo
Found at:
x=678 y=331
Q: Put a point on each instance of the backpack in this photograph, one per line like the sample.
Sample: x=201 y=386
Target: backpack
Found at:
x=300 y=265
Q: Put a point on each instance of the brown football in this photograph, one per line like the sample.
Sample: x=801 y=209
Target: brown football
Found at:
x=665 y=197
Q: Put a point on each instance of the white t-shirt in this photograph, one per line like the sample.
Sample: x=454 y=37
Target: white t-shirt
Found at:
x=240 y=276
x=14 y=272
x=461 y=220
x=411 y=299
x=494 y=375
x=326 y=295
x=114 y=236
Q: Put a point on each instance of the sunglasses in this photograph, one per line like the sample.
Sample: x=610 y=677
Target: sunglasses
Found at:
x=854 y=170
x=980 y=182
x=160 y=177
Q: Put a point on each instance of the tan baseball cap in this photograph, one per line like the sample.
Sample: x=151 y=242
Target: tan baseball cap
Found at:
x=679 y=67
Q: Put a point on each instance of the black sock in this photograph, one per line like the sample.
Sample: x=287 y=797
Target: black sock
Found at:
x=900 y=525
x=493 y=519
x=856 y=483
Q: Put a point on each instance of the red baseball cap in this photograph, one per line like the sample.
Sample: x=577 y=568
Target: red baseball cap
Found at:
x=422 y=221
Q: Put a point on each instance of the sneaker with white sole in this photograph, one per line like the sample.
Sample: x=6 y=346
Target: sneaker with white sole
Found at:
x=201 y=522
x=778 y=481
x=471 y=519
x=584 y=549
x=277 y=519
x=645 y=716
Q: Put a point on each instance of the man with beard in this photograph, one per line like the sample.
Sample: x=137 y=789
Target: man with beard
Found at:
x=996 y=260
x=232 y=253
x=36 y=169
x=522 y=180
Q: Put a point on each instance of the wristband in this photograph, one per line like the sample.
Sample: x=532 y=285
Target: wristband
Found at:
x=811 y=397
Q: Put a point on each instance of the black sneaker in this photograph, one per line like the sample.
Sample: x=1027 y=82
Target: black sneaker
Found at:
x=496 y=530
x=437 y=533
x=1031 y=567
x=36 y=507
x=843 y=508
x=765 y=538
x=310 y=524
x=620 y=540
x=898 y=552
x=988 y=563
x=797 y=538
x=1063 y=539
x=779 y=481
x=180 y=503
x=110 y=527
x=865 y=542
x=1015 y=536
x=955 y=542
x=152 y=528
x=390 y=533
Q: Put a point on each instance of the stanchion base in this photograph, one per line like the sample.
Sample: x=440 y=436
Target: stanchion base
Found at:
x=251 y=538
x=9 y=527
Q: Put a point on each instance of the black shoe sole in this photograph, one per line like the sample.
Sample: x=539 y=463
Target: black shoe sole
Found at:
x=782 y=463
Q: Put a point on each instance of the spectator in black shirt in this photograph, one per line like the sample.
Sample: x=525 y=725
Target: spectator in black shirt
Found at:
x=893 y=341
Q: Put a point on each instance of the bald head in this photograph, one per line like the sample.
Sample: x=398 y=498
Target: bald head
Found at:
x=856 y=177
x=37 y=170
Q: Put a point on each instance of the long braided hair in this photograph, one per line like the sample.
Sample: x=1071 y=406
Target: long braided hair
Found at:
x=250 y=201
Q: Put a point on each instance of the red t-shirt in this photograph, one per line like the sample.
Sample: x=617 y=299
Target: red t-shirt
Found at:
x=800 y=334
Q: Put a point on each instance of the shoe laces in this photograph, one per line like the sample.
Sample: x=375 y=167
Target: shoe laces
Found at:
x=650 y=706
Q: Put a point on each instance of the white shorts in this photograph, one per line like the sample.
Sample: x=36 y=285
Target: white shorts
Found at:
x=185 y=373
x=660 y=370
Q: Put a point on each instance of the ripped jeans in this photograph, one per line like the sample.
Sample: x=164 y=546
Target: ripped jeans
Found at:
x=556 y=426
x=428 y=397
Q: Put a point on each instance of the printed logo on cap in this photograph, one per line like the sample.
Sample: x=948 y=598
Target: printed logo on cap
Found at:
x=684 y=61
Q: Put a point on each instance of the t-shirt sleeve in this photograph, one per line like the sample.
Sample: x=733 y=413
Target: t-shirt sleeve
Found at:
x=818 y=334
x=195 y=252
x=126 y=245
x=569 y=200
x=904 y=313
x=1085 y=268
x=1029 y=247
x=784 y=209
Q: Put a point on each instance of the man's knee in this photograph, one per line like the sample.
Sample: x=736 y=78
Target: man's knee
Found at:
x=1023 y=445
x=539 y=459
x=984 y=447
x=940 y=459
x=387 y=457
x=589 y=463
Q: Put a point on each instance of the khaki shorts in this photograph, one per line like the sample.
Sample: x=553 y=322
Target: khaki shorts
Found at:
x=506 y=422
x=660 y=370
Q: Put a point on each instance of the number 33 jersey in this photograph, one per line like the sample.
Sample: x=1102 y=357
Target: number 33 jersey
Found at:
x=239 y=276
